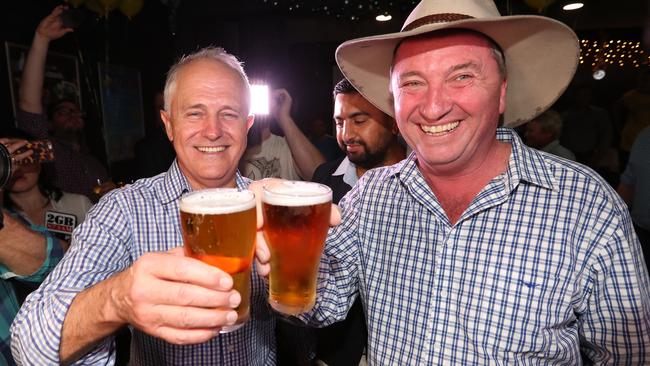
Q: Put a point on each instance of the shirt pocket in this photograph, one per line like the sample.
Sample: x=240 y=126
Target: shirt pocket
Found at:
x=514 y=311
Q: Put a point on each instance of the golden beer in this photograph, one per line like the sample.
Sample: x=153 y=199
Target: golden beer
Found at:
x=219 y=227
x=296 y=220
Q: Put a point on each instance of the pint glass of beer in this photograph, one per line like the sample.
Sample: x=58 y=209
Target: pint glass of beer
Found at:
x=296 y=219
x=219 y=227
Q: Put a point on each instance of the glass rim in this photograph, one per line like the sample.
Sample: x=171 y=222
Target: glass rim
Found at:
x=243 y=199
x=291 y=190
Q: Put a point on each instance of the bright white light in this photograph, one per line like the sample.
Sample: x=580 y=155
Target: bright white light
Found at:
x=260 y=99
x=573 y=6
x=383 y=17
x=598 y=74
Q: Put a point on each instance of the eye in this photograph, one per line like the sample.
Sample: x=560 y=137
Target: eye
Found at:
x=194 y=114
x=338 y=123
x=410 y=84
x=462 y=79
x=360 y=121
x=229 y=116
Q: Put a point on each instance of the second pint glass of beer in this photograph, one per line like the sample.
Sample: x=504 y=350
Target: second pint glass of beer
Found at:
x=296 y=220
x=219 y=227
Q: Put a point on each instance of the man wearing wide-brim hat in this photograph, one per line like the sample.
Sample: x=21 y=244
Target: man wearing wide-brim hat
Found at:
x=477 y=249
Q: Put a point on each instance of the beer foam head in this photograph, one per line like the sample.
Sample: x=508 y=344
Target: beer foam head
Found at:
x=296 y=193
x=217 y=201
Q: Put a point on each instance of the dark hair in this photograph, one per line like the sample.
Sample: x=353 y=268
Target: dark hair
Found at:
x=344 y=87
x=45 y=178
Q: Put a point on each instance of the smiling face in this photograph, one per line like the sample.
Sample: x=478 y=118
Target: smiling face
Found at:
x=364 y=132
x=207 y=123
x=448 y=95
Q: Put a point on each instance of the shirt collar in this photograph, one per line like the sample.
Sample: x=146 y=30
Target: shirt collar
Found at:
x=175 y=184
x=525 y=164
x=348 y=170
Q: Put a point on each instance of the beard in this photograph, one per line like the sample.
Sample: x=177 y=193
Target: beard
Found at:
x=367 y=159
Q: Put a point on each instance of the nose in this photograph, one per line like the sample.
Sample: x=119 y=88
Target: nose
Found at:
x=212 y=128
x=436 y=103
x=349 y=131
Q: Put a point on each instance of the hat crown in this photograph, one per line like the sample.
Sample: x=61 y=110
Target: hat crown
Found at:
x=443 y=8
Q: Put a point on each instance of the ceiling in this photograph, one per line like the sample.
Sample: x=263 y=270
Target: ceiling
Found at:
x=595 y=13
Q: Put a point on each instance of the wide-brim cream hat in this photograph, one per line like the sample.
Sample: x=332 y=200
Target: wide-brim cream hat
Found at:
x=541 y=54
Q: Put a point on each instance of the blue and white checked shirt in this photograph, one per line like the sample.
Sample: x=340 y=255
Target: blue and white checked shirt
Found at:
x=125 y=224
x=542 y=265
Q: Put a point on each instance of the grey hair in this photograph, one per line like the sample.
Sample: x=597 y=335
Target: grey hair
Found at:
x=550 y=121
x=212 y=53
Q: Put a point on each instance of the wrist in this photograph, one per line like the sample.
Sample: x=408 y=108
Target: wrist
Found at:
x=112 y=310
x=284 y=121
x=40 y=39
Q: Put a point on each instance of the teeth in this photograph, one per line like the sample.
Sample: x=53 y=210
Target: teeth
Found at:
x=211 y=149
x=440 y=129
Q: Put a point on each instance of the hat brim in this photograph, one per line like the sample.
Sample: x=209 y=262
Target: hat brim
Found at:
x=541 y=58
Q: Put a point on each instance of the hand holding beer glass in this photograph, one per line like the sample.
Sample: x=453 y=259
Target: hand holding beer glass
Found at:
x=296 y=220
x=219 y=227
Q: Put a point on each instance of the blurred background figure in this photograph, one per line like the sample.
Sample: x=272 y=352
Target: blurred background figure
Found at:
x=32 y=197
x=319 y=135
x=28 y=251
x=31 y=193
x=291 y=157
x=76 y=170
x=586 y=128
x=154 y=153
x=543 y=133
x=634 y=188
x=632 y=113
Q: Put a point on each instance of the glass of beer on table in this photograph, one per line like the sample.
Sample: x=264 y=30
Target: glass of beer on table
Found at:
x=296 y=220
x=219 y=227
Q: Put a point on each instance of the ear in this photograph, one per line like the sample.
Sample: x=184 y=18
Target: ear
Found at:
x=249 y=121
x=393 y=126
x=502 y=97
x=167 y=121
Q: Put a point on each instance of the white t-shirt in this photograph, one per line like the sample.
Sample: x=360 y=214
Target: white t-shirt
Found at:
x=73 y=204
x=271 y=159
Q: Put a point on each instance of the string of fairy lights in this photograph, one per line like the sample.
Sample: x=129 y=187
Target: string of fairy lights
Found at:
x=343 y=9
x=622 y=53
x=597 y=54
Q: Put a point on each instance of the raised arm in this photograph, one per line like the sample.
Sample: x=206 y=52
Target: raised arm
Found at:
x=305 y=154
x=31 y=84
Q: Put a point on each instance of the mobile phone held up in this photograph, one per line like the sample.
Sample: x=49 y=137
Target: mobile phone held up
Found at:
x=72 y=17
x=42 y=152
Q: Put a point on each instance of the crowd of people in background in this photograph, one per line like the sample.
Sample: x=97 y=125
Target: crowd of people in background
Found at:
x=384 y=173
